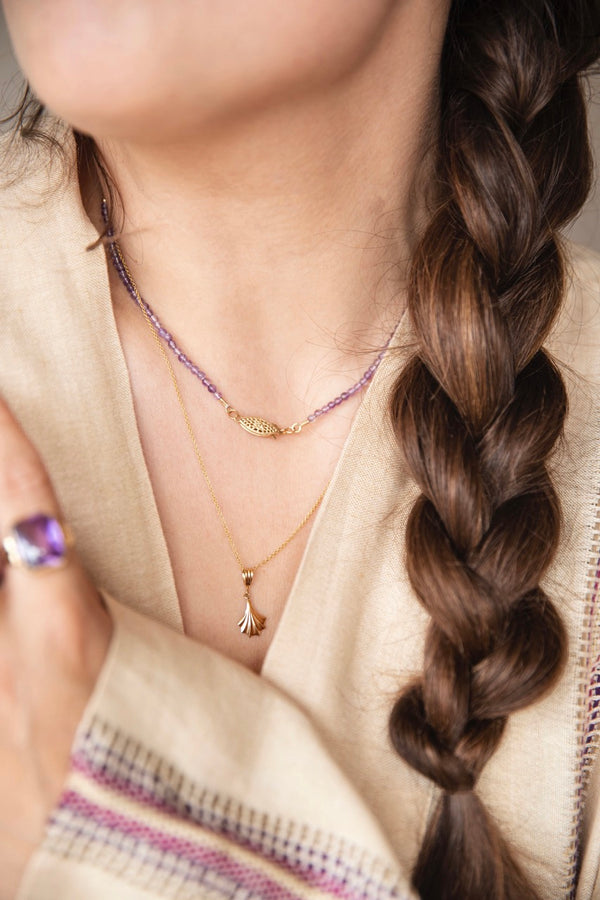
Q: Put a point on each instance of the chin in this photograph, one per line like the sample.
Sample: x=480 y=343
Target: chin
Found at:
x=142 y=68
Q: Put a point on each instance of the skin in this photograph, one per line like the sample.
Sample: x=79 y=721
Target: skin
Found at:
x=239 y=136
x=189 y=65
x=54 y=636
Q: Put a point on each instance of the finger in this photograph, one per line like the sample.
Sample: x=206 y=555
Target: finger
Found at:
x=25 y=487
x=25 y=492
x=53 y=616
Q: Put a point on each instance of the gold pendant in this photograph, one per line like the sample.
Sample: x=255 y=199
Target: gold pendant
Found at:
x=260 y=427
x=251 y=623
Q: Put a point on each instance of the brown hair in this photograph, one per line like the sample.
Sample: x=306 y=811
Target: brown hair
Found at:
x=28 y=123
x=479 y=408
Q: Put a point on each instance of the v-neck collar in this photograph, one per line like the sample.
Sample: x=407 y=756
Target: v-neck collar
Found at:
x=373 y=406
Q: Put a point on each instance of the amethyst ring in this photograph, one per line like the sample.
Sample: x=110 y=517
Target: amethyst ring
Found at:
x=39 y=542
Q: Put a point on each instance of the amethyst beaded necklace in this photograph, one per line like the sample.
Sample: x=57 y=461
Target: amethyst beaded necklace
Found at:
x=252 y=424
x=252 y=622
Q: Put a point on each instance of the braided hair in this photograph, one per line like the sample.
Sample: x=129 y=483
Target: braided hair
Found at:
x=479 y=408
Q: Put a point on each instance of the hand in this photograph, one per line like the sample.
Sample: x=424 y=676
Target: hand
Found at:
x=54 y=636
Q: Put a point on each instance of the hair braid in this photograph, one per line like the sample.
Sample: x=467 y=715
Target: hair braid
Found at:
x=479 y=409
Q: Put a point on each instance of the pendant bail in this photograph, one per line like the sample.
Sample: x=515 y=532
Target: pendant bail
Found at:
x=247 y=576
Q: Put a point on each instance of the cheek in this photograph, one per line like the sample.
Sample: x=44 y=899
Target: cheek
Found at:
x=113 y=68
x=78 y=55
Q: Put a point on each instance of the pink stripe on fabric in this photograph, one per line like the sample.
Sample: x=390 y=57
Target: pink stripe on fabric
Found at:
x=215 y=860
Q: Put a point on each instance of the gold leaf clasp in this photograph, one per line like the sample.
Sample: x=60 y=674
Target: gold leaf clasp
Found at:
x=259 y=427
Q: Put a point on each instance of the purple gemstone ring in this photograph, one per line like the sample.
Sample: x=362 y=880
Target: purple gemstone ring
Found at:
x=39 y=542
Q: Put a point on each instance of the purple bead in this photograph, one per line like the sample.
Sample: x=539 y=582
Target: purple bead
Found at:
x=40 y=541
x=164 y=334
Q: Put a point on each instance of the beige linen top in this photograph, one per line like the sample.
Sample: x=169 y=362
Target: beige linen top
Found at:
x=193 y=777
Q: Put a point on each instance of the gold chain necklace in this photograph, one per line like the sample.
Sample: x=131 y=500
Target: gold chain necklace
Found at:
x=252 y=622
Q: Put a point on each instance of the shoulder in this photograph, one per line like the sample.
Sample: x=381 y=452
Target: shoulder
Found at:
x=583 y=271
x=575 y=338
x=43 y=227
x=35 y=175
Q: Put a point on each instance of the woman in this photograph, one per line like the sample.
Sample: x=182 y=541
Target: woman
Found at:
x=280 y=188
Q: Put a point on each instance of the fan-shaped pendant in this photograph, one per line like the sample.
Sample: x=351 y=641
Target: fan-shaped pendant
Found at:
x=251 y=623
x=260 y=427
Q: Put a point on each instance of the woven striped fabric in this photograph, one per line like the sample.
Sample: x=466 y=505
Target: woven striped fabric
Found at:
x=129 y=811
x=591 y=725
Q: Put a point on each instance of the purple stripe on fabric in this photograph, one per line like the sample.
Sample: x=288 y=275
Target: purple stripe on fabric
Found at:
x=81 y=764
x=224 y=865
x=195 y=853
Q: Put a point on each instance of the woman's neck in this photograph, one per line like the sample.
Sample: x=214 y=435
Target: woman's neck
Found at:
x=278 y=236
